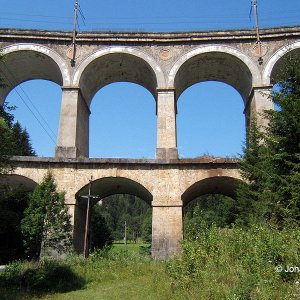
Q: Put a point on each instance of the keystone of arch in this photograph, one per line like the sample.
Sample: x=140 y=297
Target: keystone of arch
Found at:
x=160 y=79
x=249 y=63
x=46 y=51
x=267 y=73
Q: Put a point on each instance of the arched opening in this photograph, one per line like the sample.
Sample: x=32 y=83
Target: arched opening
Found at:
x=107 y=73
x=212 y=67
x=280 y=62
x=34 y=99
x=22 y=65
x=123 y=122
x=14 y=199
x=209 y=201
x=119 y=200
x=278 y=69
x=37 y=108
x=210 y=121
x=116 y=67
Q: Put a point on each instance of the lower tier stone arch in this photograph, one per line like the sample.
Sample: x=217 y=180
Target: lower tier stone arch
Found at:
x=224 y=185
x=102 y=188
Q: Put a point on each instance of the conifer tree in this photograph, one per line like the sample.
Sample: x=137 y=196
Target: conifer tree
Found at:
x=46 y=225
x=271 y=162
x=283 y=141
x=22 y=145
x=252 y=193
x=14 y=139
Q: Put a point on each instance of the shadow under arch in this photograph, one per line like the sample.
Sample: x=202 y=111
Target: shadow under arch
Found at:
x=119 y=64
x=23 y=62
x=223 y=185
x=14 y=180
x=103 y=187
x=215 y=63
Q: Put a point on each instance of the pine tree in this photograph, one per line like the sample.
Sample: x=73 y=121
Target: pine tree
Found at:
x=283 y=141
x=253 y=201
x=271 y=162
x=6 y=121
x=46 y=225
x=14 y=139
x=101 y=235
x=22 y=145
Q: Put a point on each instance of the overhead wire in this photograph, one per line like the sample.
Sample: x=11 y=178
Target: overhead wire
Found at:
x=235 y=18
x=28 y=107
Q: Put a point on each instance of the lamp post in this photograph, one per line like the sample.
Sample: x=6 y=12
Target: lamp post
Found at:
x=87 y=219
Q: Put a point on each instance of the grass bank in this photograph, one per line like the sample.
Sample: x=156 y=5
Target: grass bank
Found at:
x=230 y=264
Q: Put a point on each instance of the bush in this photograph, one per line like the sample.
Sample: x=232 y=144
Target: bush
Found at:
x=40 y=277
x=238 y=263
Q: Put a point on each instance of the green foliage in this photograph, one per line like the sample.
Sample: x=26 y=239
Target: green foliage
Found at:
x=14 y=139
x=283 y=142
x=49 y=276
x=253 y=203
x=13 y=202
x=220 y=263
x=223 y=263
x=208 y=210
x=271 y=163
x=147 y=226
x=46 y=225
x=101 y=235
x=117 y=209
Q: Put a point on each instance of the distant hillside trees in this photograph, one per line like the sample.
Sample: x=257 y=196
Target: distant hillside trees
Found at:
x=117 y=209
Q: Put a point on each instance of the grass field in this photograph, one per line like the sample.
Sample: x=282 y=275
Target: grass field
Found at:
x=220 y=263
x=122 y=274
x=130 y=247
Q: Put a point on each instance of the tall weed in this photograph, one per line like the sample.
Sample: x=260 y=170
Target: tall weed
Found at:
x=236 y=263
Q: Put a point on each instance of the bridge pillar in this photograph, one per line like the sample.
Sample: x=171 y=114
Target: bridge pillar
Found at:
x=166 y=125
x=167 y=231
x=259 y=100
x=73 y=133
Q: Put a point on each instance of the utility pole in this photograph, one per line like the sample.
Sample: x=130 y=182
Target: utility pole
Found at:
x=86 y=248
x=258 y=41
x=74 y=34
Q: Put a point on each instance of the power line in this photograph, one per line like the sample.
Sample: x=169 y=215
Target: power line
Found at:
x=24 y=101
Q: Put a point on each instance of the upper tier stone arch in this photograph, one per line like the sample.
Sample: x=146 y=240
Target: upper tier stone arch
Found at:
x=115 y=64
x=218 y=63
x=25 y=62
x=275 y=61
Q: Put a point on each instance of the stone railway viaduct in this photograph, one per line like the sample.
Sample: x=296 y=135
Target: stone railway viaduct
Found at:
x=164 y=63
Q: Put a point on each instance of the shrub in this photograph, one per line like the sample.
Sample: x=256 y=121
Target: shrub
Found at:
x=238 y=263
x=46 y=276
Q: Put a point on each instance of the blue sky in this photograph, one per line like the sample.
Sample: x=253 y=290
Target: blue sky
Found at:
x=123 y=121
